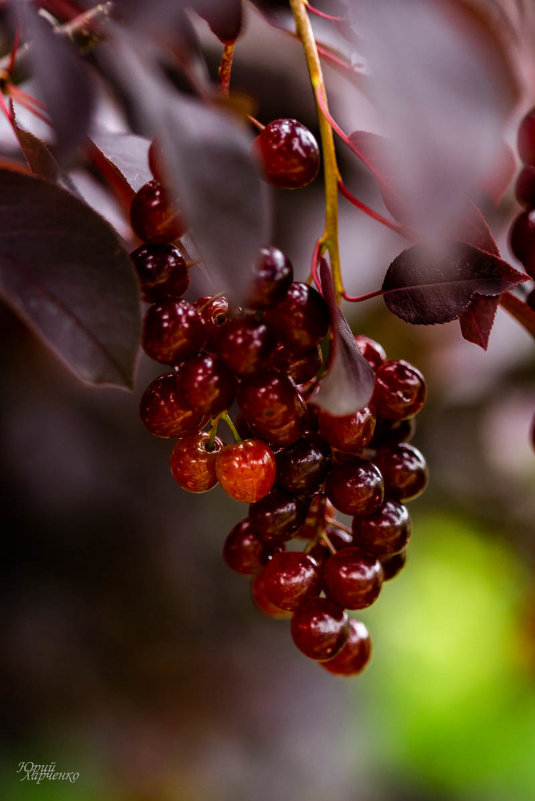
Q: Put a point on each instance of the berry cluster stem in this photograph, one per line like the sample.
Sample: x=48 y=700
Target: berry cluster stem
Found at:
x=329 y=240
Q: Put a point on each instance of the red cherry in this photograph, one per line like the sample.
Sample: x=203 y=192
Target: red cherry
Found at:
x=246 y=470
x=355 y=487
x=289 y=154
x=301 y=320
x=393 y=564
x=193 y=463
x=526 y=138
x=353 y=578
x=244 y=551
x=173 y=331
x=385 y=532
x=258 y=591
x=320 y=628
x=350 y=432
x=154 y=218
x=404 y=471
x=163 y=412
x=214 y=312
x=289 y=578
x=400 y=390
x=207 y=384
x=373 y=352
x=355 y=655
x=162 y=272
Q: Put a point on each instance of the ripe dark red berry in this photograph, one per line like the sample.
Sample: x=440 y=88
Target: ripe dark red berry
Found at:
x=393 y=564
x=525 y=186
x=215 y=315
x=161 y=270
x=301 y=320
x=302 y=467
x=373 y=352
x=246 y=470
x=404 y=471
x=385 y=532
x=526 y=138
x=273 y=407
x=400 y=390
x=355 y=487
x=244 y=551
x=173 y=331
x=355 y=654
x=321 y=552
x=244 y=345
x=272 y=276
x=207 y=384
x=258 y=591
x=350 y=432
x=353 y=578
x=289 y=578
x=522 y=240
x=390 y=432
x=320 y=628
x=276 y=516
x=289 y=154
x=163 y=411
x=154 y=218
x=192 y=462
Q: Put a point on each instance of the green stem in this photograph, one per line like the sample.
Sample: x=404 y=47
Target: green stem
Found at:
x=329 y=240
x=225 y=416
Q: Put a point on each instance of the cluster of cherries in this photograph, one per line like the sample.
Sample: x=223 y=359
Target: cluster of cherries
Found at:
x=292 y=462
x=522 y=233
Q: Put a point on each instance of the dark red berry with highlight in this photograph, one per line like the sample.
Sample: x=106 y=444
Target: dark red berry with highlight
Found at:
x=390 y=432
x=301 y=320
x=154 y=218
x=400 y=390
x=394 y=564
x=173 y=331
x=272 y=407
x=373 y=352
x=320 y=628
x=161 y=271
x=262 y=602
x=244 y=345
x=272 y=276
x=277 y=515
x=526 y=138
x=404 y=471
x=192 y=462
x=207 y=384
x=525 y=186
x=350 y=432
x=246 y=470
x=289 y=578
x=303 y=466
x=163 y=411
x=522 y=240
x=355 y=654
x=214 y=312
x=353 y=578
x=289 y=154
x=244 y=551
x=355 y=487
x=385 y=532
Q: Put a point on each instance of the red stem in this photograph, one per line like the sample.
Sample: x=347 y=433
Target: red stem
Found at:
x=323 y=15
x=520 y=311
x=399 y=229
x=225 y=69
x=314 y=265
x=358 y=298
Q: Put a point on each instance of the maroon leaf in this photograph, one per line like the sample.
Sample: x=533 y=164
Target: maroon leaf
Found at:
x=38 y=156
x=225 y=21
x=64 y=270
x=376 y=153
x=128 y=153
x=478 y=318
x=430 y=284
x=348 y=384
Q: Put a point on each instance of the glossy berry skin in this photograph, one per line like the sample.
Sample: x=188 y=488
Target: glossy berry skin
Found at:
x=385 y=532
x=244 y=345
x=173 y=331
x=301 y=320
x=289 y=154
x=192 y=463
x=271 y=279
x=400 y=390
x=353 y=578
x=291 y=577
x=153 y=217
x=355 y=487
x=373 y=352
x=526 y=138
x=404 y=471
x=207 y=384
x=244 y=551
x=350 y=432
x=320 y=628
x=161 y=271
x=276 y=516
x=262 y=602
x=355 y=655
x=246 y=470
x=391 y=432
x=525 y=187
x=272 y=407
x=214 y=312
x=394 y=564
x=163 y=412
x=522 y=240
x=303 y=466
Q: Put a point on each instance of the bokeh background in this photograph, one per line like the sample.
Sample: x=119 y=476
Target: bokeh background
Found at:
x=133 y=656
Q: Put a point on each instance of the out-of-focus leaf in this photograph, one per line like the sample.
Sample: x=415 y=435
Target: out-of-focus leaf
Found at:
x=377 y=154
x=37 y=154
x=64 y=270
x=207 y=153
x=348 y=384
x=434 y=284
x=224 y=19
x=520 y=311
x=443 y=88
x=129 y=154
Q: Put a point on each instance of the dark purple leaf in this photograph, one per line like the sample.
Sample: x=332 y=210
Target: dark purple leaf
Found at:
x=209 y=163
x=429 y=284
x=64 y=83
x=38 y=156
x=64 y=270
x=348 y=384
x=129 y=154
x=478 y=318
x=225 y=19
